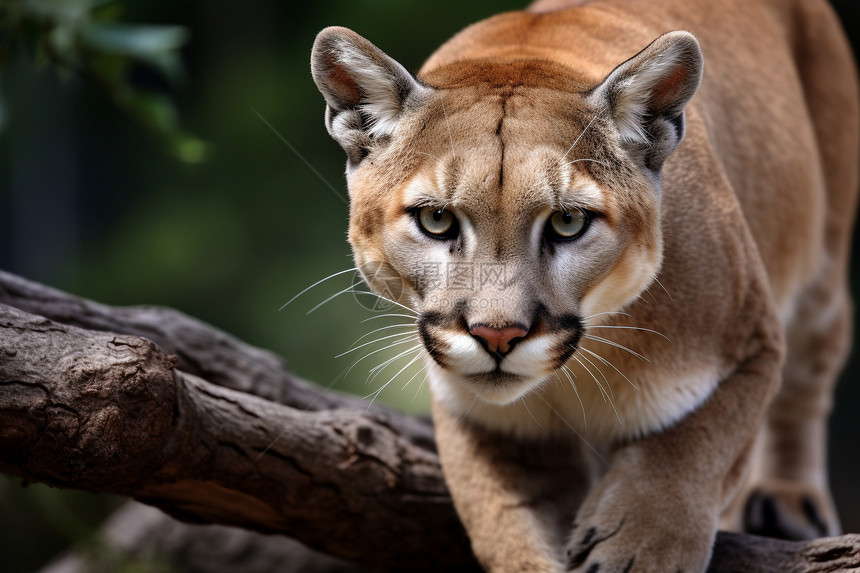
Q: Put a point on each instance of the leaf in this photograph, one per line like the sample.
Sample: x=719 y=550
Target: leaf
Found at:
x=154 y=110
x=59 y=10
x=137 y=41
x=189 y=149
x=80 y=37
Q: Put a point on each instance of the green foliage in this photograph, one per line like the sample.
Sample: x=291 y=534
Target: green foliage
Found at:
x=85 y=38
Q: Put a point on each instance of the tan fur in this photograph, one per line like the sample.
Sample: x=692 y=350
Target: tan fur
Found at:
x=728 y=260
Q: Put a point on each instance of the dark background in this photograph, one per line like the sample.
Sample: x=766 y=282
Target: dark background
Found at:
x=91 y=204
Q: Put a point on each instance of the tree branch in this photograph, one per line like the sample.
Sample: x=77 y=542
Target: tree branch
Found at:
x=109 y=412
x=202 y=350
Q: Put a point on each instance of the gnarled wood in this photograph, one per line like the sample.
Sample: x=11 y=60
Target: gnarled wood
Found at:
x=105 y=412
x=260 y=449
x=739 y=553
x=201 y=350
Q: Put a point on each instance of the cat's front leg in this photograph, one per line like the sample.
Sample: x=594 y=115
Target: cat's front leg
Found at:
x=642 y=520
x=516 y=498
x=657 y=509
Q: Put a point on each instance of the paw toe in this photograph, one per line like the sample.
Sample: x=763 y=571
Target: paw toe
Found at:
x=777 y=514
x=579 y=551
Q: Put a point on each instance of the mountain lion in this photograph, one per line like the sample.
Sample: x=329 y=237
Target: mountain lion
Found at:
x=626 y=249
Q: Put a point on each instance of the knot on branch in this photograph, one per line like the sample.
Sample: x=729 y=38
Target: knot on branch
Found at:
x=78 y=401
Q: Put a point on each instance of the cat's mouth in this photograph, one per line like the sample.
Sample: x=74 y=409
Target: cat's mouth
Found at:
x=499 y=361
x=497 y=377
x=496 y=386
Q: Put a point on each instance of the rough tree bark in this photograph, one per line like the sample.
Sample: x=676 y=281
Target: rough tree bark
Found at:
x=86 y=402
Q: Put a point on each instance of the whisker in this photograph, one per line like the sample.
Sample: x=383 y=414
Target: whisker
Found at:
x=385 y=298
x=570 y=375
x=469 y=409
x=585 y=159
x=376 y=351
x=299 y=155
x=381 y=367
x=570 y=427
x=377 y=370
x=387 y=315
x=651 y=294
x=376 y=394
x=602 y=375
x=392 y=359
x=608 y=363
x=414 y=376
x=403 y=335
x=379 y=329
x=523 y=400
x=621 y=327
x=656 y=280
x=315 y=284
x=373 y=396
x=561 y=382
x=408 y=364
x=351 y=289
x=605 y=395
x=332 y=297
x=602 y=313
x=420 y=386
x=588 y=125
x=615 y=344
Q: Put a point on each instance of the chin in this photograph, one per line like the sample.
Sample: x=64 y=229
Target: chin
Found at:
x=499 y=388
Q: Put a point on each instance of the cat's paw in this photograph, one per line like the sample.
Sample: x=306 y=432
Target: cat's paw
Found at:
x=657 y=533
x=790 y=510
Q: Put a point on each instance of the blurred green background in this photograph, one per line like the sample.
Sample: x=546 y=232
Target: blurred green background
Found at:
x=95 y=204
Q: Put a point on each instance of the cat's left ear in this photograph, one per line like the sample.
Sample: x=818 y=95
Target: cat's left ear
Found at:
x=646 y=95
x=366 y=91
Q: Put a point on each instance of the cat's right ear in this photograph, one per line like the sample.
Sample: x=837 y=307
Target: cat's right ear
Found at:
x=366 y=91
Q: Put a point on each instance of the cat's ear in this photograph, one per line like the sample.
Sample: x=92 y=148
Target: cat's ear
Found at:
x=646 y=95
x=366 y=91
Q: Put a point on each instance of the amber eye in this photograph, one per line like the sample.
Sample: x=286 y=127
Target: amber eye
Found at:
x=564 y=225
x=437 y=222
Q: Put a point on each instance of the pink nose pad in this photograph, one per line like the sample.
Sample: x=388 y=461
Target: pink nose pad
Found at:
x=498 y=340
